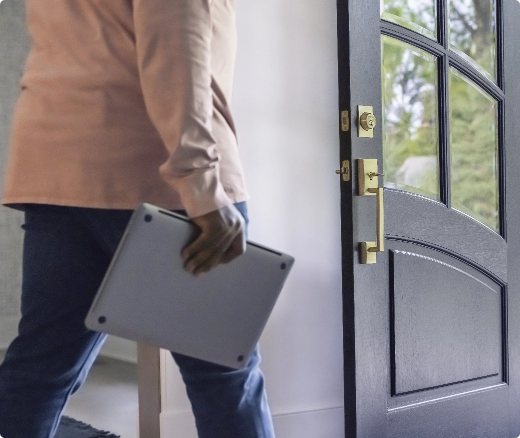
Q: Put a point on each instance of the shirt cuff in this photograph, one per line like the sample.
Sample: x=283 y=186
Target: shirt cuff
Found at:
x=200 y=191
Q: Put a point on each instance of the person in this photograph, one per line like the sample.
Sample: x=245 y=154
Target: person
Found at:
x=121 y=102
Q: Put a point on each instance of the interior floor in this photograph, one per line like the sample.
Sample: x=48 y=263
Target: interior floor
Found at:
x=108 y=399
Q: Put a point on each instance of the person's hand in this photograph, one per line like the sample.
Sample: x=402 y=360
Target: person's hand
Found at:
x=221 y=239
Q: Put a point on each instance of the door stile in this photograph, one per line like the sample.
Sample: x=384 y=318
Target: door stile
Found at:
x=366 y=313
x=511 y=50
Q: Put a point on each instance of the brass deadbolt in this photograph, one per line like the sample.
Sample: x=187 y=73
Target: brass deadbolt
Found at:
x=367 y=121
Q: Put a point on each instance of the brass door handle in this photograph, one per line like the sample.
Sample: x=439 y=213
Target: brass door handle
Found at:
x=368 y=185
x=368 y=249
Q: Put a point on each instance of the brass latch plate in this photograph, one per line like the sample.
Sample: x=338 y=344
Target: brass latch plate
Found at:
x=367 y=176
x=345 y=170
x=345 y=121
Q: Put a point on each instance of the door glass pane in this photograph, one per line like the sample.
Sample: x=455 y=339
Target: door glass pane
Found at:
x=410 y=131
x=473 y=33
x=417 y=15
x=474 y=150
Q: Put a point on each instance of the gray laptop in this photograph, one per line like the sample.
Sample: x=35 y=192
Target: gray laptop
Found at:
x=147 y=295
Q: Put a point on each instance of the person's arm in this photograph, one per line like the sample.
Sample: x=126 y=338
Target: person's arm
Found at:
x=173 y=43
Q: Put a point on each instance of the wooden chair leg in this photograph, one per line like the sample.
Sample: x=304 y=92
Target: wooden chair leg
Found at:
x=149 y=387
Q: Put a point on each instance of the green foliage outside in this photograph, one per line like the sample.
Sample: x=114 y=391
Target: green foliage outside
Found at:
x=474 y=150
x=410 y=118
x=418 y=15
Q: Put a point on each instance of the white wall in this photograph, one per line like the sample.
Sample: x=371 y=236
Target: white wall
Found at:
x=13 y=49
x=285 y=105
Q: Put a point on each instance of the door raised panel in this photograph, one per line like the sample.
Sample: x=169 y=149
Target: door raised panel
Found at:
x=446 y=324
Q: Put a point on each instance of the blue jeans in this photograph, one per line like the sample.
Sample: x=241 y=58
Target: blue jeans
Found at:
x=66 y=253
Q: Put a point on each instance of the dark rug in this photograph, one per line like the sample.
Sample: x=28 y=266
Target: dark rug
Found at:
x=70 y=428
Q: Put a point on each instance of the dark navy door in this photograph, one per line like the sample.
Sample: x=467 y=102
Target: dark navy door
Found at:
x=430 y=89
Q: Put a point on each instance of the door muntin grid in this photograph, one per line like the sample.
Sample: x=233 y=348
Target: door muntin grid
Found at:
x=447 y=57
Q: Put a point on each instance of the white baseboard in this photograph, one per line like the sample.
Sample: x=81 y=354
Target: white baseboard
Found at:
x=8 y=330
x=178 y=425
x=324 y=423
x=121 y=349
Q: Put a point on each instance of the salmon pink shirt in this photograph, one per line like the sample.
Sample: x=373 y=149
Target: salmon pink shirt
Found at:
x=126 y=101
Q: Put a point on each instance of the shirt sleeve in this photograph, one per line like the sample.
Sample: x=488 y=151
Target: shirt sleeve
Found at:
x=173 y=43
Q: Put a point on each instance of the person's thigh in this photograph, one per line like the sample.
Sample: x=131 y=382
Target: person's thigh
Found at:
x=63 y=265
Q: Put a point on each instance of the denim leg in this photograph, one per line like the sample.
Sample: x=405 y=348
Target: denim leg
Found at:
x=227 y=403
x=63 y=266
x=66 y=253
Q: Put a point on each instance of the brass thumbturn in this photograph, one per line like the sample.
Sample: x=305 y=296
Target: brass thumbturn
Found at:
x=371 y=175
x=367 y=121
x=345 y=170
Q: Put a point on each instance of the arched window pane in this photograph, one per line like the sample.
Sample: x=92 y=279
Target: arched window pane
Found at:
x=410 y=127
x=417 y=15
x=473 y=33
x=474 y=150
